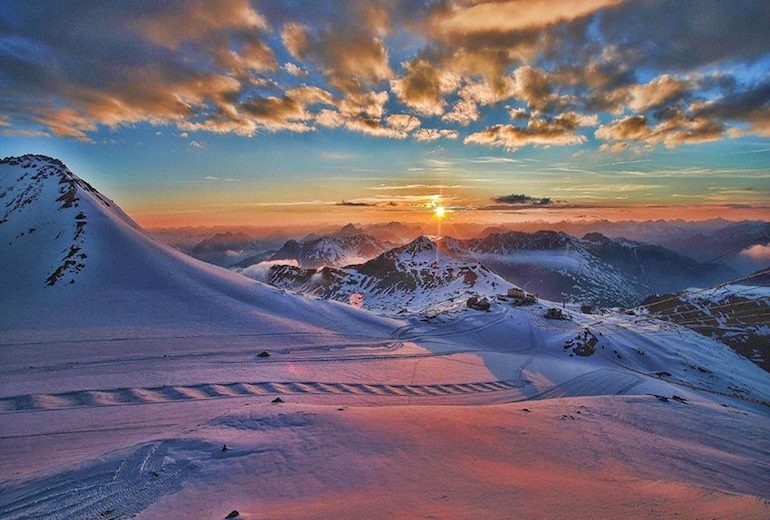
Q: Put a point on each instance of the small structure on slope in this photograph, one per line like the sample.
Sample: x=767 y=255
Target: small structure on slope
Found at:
x=584 y=344
x=521 y=297
x=479 y=304
x=555 y=314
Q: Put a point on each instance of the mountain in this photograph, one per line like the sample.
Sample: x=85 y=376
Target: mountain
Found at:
x=731 y=244
x=136 y=381
x=705 y=241
x=329 y=251
x=593 y=269
x=414 y=278
x=349 y=230
x=554 y=265
x=491 y=230
x=73 y=264
x=656 y=267
x=394 y=232
x=736 y=315
x=226 y=248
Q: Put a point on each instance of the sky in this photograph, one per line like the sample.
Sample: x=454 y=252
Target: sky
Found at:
x=238 y=112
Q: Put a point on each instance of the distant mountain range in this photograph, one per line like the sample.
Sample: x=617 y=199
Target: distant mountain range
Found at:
x=594 y=269
x=329 y=251
x=414 y=278
x=706 y=241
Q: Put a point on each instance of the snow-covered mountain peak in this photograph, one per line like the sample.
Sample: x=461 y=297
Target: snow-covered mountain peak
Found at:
x=329 y=251
x=414 y=278
x=421 y=249
x=349 y=230
x=72 y=264
x=47 y=212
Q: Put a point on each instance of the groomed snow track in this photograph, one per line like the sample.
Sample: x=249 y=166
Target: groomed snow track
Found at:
x=199 y=392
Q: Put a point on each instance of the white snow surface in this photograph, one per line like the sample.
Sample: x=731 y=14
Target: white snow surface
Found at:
x=416 y=278
x=119 y=392
x=129 y=285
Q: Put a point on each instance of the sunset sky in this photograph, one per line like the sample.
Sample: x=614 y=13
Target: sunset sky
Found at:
x=268 y=112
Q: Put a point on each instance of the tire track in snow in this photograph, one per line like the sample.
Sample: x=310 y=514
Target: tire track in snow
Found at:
x=206 y=391
x=419 y=333
x=113 y=488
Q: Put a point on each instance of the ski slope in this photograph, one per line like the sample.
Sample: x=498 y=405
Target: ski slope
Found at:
x=118 y=393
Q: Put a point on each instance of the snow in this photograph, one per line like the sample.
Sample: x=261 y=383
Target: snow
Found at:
x=726 y=292
x=118 y=393
x=261 y=270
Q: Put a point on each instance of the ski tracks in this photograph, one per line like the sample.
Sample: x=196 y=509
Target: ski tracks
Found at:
x=112 y=488
x=199 y=392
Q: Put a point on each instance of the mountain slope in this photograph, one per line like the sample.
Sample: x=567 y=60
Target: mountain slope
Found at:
x=73 y=263
x=595 y=269
x=736 y=315
x=227 y=248
x=551 y=264
x=329 y=251
x=414 y=278
x=655 y=266
x=141 y=391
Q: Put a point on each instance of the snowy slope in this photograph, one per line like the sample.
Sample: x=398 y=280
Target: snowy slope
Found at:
x=414 y=278
x=329 y=251
x=138 y=390
x=554 y=265
x=736 y=315
x=595 y=269
x=74 y=265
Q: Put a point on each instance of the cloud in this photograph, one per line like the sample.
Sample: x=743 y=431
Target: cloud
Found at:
x=758 y=253
x=431 y=134
x=196 y=144
x=682 y=72
x=658 y=92
x=628 y=128
x=294 y=69
x=337 y=156
x=403 y=122
x=23 y=132
x=675 y=128
x=366 y=125
x=355 y=204
x=422 y=87
x=558 y=131
x=198 y=20
x=536 y=89
x=295 y=39
x=751 y=105
x=462 y=19
x=350 y=58
x=286 y=112
x=683 y=34
x=219 y=179
x=389 y=187
x=516 y=199
x=261 y=271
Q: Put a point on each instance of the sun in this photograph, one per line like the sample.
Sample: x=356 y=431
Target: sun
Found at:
x=439 y=211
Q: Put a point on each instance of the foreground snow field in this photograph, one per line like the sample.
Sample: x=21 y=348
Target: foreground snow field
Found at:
x=118 y=393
